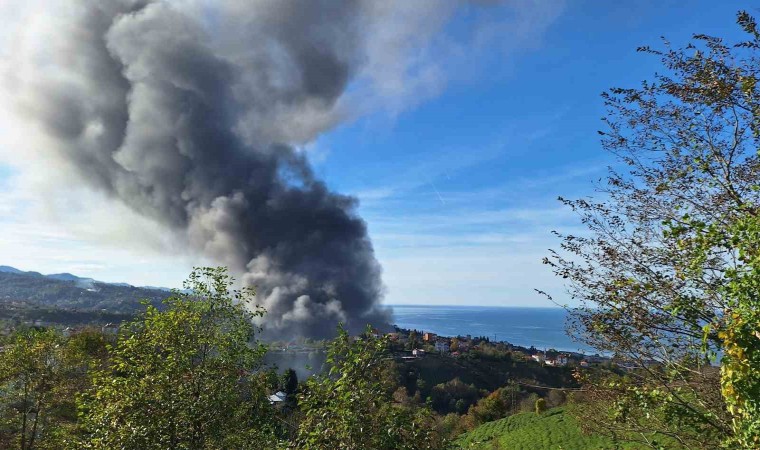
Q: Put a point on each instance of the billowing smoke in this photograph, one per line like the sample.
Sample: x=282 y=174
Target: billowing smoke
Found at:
x=188 y=112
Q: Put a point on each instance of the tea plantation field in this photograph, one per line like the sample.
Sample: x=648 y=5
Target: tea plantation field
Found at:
x=552 y=430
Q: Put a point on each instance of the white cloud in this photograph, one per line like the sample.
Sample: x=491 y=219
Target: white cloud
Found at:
x=88 y=236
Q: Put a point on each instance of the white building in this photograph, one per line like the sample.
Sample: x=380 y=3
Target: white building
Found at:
x=277 y=397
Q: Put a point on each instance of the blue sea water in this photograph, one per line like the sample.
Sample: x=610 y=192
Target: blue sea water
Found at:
x=543 y=328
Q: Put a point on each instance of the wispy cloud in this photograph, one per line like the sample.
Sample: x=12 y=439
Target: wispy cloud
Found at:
x=88 y=239
x=484 y=245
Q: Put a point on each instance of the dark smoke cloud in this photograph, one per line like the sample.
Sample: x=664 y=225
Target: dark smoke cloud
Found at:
x=196 y=136
x=188 y=111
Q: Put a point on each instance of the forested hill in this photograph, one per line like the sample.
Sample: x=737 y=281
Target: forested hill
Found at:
x=67 y=291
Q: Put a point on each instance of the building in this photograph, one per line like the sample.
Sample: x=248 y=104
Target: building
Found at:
x=539 y=357
x=442 y=346
x=428 y=337
x=277 y=398
x=418 y=352
x=559 y=360
x=110 y=328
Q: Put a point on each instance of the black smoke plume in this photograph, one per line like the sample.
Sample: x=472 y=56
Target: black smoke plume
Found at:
x=190 y=111
x=188 y=116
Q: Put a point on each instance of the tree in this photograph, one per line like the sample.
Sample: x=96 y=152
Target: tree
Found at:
x=444 y=396
x=351 y=406
x=666 y=270
x=540 y=405
x=414 y=340
x=740 y=331
x=184 y=377
x=290 y=381
x=488 y=409
x=35 y=375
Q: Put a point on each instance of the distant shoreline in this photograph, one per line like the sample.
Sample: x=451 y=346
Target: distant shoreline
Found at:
x=525 y=326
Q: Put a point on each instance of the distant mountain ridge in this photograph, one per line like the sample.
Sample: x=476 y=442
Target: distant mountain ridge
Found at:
x=68 y=291
x=65 y=276
x=9 y=269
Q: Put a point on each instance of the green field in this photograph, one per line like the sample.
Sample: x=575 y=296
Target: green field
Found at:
x=553 y=430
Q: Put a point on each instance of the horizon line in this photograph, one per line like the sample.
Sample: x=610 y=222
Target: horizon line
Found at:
x=473 y=306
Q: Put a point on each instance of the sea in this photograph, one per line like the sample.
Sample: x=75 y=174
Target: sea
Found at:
x=543 y=328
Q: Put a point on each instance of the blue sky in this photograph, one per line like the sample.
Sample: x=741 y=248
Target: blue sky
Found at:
x=459 y=190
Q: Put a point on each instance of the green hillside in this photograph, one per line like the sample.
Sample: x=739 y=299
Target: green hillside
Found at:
x=33 y=290
x=553 y=430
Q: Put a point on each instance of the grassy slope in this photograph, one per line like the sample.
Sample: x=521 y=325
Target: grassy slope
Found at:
x=553 y=430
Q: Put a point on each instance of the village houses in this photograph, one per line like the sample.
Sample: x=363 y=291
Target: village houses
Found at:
x=442 y=345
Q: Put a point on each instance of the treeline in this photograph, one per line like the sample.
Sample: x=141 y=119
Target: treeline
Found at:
x=190 y=376
x=15 y=314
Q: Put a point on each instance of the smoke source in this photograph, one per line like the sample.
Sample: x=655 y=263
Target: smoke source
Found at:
x=188 y=111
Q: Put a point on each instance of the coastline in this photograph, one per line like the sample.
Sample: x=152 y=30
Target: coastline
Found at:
x=543 y=328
